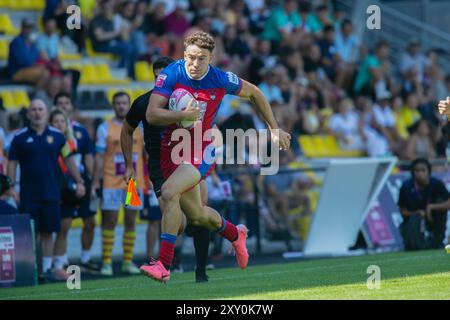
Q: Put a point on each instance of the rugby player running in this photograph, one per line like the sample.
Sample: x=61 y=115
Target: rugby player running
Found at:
x=181 y=190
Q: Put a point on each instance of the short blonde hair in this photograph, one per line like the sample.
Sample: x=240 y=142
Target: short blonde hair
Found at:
x=200 y=39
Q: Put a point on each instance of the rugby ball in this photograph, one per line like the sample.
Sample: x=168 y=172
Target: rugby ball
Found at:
x=178 y=101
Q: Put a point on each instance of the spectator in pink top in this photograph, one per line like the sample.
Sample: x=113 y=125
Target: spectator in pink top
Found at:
x=177 y=22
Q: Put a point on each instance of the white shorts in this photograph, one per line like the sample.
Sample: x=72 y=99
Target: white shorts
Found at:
x=112 y=199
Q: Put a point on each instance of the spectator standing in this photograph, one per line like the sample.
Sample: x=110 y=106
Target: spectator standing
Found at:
x=79 y=208
x=36 y=149
x=110 y=165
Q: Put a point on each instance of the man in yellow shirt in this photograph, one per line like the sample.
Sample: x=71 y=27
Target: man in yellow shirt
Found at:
x=109 y=163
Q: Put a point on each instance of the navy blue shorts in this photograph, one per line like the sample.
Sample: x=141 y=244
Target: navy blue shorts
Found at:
x=150 y=213
x=46 y=215
x=80 y=211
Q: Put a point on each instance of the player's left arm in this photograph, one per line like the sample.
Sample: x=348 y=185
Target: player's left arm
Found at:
x=255 y=95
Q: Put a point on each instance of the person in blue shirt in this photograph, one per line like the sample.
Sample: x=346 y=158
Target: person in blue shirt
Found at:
x=84 y=157
x=36 y=149
x=23 y=54
x=5 y=192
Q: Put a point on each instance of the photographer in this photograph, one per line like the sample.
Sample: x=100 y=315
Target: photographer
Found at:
x=423 y=203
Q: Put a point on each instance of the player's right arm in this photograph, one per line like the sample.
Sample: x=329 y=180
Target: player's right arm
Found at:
x=158 y=115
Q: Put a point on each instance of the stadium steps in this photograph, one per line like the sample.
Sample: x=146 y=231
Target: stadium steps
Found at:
x=324 y=146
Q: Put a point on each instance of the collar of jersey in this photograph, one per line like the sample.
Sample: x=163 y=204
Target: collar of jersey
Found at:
x=35 y=132
x=187 y=73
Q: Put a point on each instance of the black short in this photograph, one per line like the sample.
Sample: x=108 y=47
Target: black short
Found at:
x=156 y=176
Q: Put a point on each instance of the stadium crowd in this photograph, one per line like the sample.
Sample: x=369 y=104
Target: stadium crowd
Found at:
x=304 y=55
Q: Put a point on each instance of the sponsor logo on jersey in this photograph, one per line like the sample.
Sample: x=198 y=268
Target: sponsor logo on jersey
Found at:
x=232 y=77
x=160 y=80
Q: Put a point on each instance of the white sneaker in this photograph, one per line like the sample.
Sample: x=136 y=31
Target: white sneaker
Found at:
x=106 y=270
x=130 y=268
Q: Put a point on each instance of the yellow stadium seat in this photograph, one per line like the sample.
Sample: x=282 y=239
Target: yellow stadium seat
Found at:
x=6 y=26
x=320 y=149
x=8 y=99
x=21 y=99
x=4 y=49
x=331 y=145
x=305 y=142
x=88 y=74
x=68 y=56
x=91 y=53
x=25 y=4
x=4 y=4
x=104 y=76
x=38 y=4
x=143 y=72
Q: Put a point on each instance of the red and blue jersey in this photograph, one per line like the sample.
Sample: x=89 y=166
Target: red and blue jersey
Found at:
x=208 y=91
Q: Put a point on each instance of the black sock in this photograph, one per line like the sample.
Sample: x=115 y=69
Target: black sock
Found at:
x=201 y=244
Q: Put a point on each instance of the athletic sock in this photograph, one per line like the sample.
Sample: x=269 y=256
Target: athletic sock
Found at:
x=107 y=245
x=129 y=238
x=166 y=249
x=228 y=230
x=46 y=264
x=85 y=256
x=201 y=245
x=58 y=262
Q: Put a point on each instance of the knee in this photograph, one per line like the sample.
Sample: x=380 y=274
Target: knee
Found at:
x=198 y=220
x=168 y=195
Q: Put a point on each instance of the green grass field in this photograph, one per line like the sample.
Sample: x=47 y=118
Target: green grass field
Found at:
x=416 y=275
